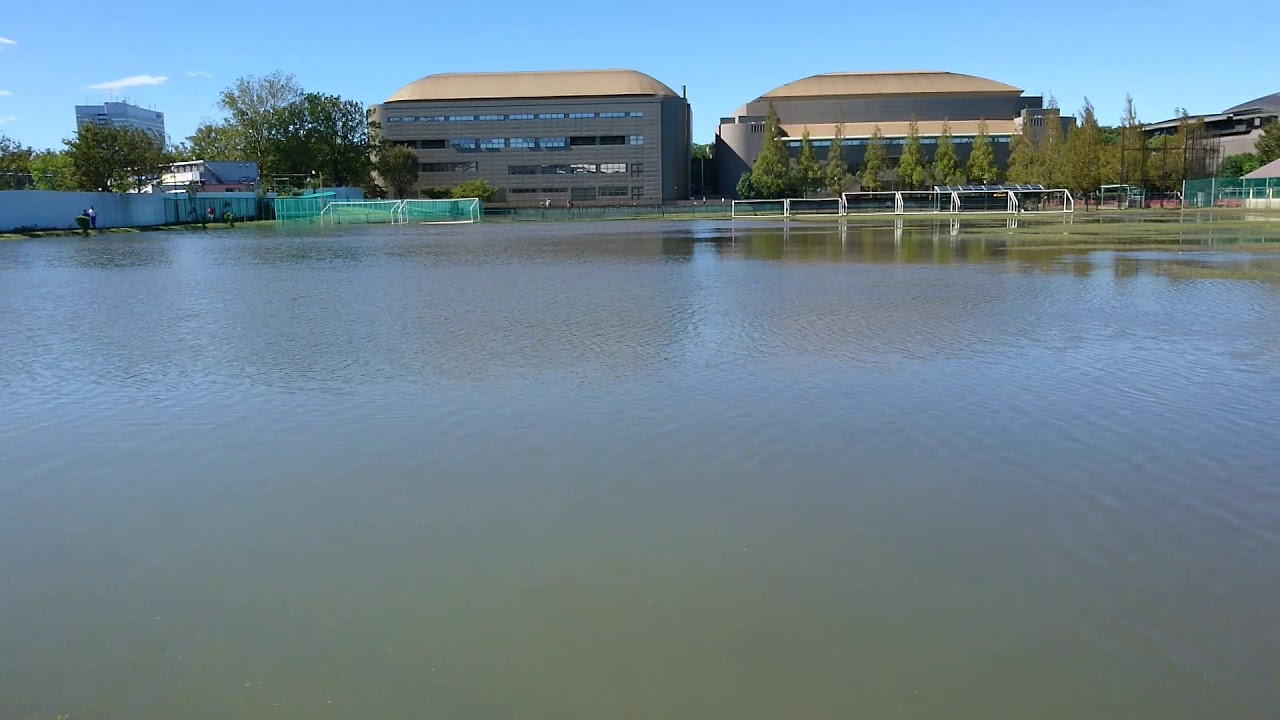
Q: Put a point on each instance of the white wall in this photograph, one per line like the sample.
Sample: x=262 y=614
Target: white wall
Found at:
x=53 y=210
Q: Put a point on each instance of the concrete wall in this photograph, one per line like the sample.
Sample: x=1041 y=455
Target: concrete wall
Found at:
x=53 y=210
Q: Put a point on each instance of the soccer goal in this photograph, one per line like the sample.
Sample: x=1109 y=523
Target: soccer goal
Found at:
x=871 y=203
x=1043 y=201
x=759 y=208
x=361 y=212
x=467 y=210
x=813 y=206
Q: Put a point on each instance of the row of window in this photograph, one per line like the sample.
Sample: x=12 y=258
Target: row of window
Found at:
x=614 y=191
x=515 y=116
x=440 y=167
x=636 y=169
x=554 y=143
x=893 y=141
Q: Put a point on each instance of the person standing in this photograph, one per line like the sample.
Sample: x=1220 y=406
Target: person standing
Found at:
x=93 y=217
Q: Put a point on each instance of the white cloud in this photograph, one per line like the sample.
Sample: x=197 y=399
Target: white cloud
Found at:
x=7 y=119
x=131 y=81
x=5 y=93
x=4 y=42
x=199 y=74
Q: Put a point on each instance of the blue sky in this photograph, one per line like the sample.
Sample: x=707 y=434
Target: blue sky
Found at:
x=177 y=57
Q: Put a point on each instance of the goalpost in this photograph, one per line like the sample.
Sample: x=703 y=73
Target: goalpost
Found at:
x=758 y=208
x=362 y=212
x=814 y=206
x=464 y=210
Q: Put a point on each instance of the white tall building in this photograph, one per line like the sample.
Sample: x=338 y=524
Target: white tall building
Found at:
x=118 y=114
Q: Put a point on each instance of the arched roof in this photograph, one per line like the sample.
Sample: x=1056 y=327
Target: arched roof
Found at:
x=1266 y=103
x=543 y=84
x=888 y=83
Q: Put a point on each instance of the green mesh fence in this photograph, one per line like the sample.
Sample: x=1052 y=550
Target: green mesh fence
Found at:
x=302 y=209
x=441 y=211
x=361 y=212
x=187 y=209
x=1259 y=194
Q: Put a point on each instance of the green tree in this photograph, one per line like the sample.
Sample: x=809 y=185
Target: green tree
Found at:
x=324 y=135
x=1233 y=166
x=398 y=168
x=1084 y=156
x=1023 y=159
x=700 y=151
x=982 y=167
x=15 y=164
x=1268 y=146
x=771 y=172
x=1131 y=153
x=874 y=161
x=52 y=170
x=835 y=174
x=115 y=159
x=913 y=166
x=252 y=105
x=215 y=141
x=946 y=164
x=746 y=188
x=808 y=173
x=474 y=189
x=1050 y=148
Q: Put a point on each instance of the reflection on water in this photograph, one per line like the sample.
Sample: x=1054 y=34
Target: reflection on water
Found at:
x=734 y=470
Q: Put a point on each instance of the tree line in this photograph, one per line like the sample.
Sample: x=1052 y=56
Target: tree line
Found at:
x=1082 y=158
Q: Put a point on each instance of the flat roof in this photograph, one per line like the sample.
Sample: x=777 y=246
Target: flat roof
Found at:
x=900 y=129
x=527 y=85
x=914 y=82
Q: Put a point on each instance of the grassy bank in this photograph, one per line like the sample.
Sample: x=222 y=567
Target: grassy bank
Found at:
x=32 y=234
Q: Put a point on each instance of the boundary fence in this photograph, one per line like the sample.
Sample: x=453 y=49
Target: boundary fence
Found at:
x=957 y=201
x=1256 y=194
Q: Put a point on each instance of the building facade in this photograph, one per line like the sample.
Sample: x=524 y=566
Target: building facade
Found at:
x=865 y=101
x=1234 y=131
x=596 y=137
x=118 y=114
x=210 y=176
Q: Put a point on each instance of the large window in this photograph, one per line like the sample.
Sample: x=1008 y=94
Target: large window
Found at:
x=613 y=139
x=613 y=167
x=551 y=116
x=582 y=168
x=520 y=116
x=613 y=192
x=433 y=144
x=449 y=167
x=635 y=113
x=637 y=170
x=581 y=115
x=461 y=118
x=552 y=143
x=463 y=144
x=405 y=143
x=393 y=120
x=613 y=114
x=582 y=194
x=492 y=143
x=583 y=140
x=431 y=118
x=637 y=192
x=522 y=169
x=536 y=191
x=554 y=169
x=493 y=117
x=635 y=139
x=523 y=143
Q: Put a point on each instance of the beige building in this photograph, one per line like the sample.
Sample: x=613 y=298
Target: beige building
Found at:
x=592 y=137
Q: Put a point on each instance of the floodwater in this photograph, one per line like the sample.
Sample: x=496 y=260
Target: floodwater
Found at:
x=637 y=470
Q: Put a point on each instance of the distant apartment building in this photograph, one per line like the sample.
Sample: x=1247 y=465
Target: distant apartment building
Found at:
x=210 y=176
x=119 y=114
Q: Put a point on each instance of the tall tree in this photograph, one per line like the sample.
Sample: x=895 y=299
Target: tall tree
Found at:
x=148 y=159
x=1268 y=146
x=215 y=141
x=946 y=164
x=1049 y=150
x=700 y=151
x=746 y=189
x=398 y=168
x=323 y=135
x=913 y=166
x=15 y=164
x=835 y=173
x=252 y=104
x=771 y=172
x=1023 y=158
x=114 y=159
x=1233 y=166
x=1132 y=152
x=52 y=170
x=808 y=173
x=1084 y=160
x=874 y=161
x=982 y=167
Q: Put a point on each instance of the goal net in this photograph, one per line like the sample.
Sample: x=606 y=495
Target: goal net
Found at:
x=759 y=208
x=1043 y=201
x=360 y=212
x=813 y=206
x=467 y=210
x=871 y=203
